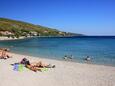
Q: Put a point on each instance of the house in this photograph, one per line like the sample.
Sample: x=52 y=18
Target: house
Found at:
x=6 y=33
x=33 y=33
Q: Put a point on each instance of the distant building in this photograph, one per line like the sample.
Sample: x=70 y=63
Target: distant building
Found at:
x=6 y=33
x=33 y=33
x=45 y=31
x=60 y=32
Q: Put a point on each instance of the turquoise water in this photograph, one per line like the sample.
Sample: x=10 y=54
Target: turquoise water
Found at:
x=101 y=49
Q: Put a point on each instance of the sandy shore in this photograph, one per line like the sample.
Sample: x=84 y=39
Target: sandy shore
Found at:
x=65 y=74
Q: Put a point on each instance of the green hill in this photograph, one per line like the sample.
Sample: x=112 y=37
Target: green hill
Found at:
x=14 y=28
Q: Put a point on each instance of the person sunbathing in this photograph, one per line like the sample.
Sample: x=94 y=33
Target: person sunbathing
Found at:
x=35 y=66
x=25 y=61
x=38 y=67
x=4 y=54
x=40 y=64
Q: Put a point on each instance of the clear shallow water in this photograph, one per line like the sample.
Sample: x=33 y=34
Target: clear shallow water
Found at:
x=101 y=49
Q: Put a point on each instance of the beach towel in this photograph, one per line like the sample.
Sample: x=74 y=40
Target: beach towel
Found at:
x=15 y=67
x=44 y=69
x=18 y=67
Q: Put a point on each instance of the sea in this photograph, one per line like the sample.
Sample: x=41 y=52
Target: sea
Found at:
x=101 y=49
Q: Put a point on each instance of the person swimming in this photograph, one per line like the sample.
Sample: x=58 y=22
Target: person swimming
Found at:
x=67 y=57
x=87 y=58
x=70 y=57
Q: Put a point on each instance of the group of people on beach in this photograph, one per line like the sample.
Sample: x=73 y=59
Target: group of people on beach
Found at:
x=70 y=57
x=34 y=66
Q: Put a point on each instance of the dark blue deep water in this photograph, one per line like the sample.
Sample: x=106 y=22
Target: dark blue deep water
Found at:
x=101 y=49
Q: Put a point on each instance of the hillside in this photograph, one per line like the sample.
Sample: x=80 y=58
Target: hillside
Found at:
x=14 y=28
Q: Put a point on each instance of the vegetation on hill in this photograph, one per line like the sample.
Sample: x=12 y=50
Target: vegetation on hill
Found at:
x=14 y=28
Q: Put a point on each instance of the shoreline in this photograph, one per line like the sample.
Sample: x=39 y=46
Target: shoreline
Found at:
x=3 y=38
x=61 y=60
x=11 y=39
x=66 y=73
x=73 y=60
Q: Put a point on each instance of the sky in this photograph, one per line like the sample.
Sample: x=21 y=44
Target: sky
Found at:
x=89 y=17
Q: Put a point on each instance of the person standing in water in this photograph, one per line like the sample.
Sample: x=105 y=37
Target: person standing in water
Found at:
x=87 y=58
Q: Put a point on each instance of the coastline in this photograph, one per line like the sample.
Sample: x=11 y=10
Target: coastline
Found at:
x=66 y=73
x=8 y=39
x=62 y=60
x=3 y=38
x=13 y=47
